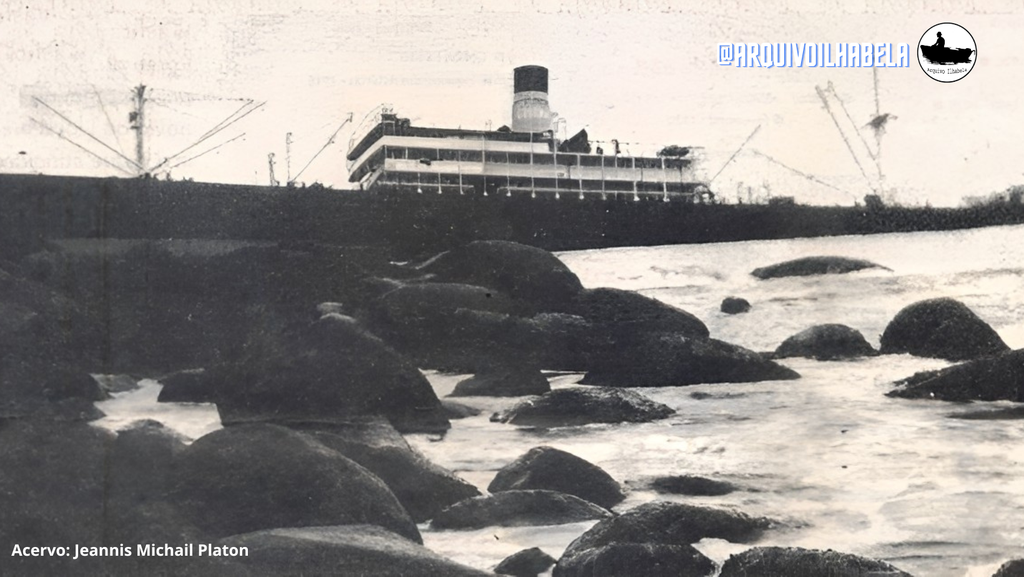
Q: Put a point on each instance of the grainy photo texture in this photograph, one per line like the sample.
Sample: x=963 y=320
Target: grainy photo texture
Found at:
x=621 y=288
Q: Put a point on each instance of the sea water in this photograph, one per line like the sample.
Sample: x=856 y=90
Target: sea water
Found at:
x=828 y=457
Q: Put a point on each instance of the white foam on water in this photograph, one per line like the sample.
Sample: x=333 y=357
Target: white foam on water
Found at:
x=829 y=456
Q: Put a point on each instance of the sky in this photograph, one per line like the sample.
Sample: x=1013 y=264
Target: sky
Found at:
x=643 y=72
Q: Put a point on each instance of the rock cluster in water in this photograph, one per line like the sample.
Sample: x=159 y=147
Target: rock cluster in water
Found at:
x=814 y=265
x=826 y=343
x=942 y=328
x=312 y=355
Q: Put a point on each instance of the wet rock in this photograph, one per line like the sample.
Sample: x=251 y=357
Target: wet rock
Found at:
x=734 y=305
x=1008 y=414
x=826 y=343
x=454 y=410
x=110 y=384
x=797 y=562
x=41 y=327
x=420 y=320
x=328 y=371
x=168 y=305
x=814 y=265
x=518 y=509
x=526 y=563
x=576 y=406
x=630 y=559
x=667 y=360
x=471 y=340
x=422 y=487
x=52 y=492
x=530 y=275
x=151 y=521
x=942 y=328
x=623 y=316
x=1013 y=568
x=342 y=550
x=189 y=386
x=551 y=469
x=251 y=477
x=998 y=378
x=142 y=462
x=430 y=302
x=666 y=523
x=49 y=346
x=691 y=485
x=503 y=382
x=73 y=384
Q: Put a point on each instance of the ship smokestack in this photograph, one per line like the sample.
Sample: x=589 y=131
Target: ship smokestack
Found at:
x=530 y=110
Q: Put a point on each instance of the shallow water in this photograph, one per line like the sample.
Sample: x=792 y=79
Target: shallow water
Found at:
x=828 y=456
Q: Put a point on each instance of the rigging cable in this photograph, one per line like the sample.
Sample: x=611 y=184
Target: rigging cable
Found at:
x=62 y=137
x=322 y=148
x=87 y=133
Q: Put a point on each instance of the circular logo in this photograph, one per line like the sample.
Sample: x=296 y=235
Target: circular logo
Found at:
x=947 y=52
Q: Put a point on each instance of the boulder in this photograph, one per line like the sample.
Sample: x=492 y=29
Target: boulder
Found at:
x=251 y=477
x=574 y=406
x=165 y=305
x=52 y=492
x=797 y=562
x=363 y=550
x=526 y=563
x=1007 y=414
x=141 y=463
x=734 y=305
x=551 y=469
x=328 y=371
x=942 y=328
x=620 y=316
x=189 y=386
x=420 y=318
x=110 y=384
x=151 y=521
x=668 y=360
x=518 y=509
x=525 y=273
x=998 y=378
x=667 y=523
x=631 y=559
x=826 y=343
x=430 y=302
x=48 y=347
x=471 y=340
x=454 y=410
x=422 y=487
x=1012 y=568
x=503 y=382
x=814 y=265
x=691 y=485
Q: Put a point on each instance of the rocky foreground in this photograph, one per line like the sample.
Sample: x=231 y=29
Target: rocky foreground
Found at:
x=313 y=356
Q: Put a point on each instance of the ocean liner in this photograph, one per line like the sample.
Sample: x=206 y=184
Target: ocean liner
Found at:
x=418 y=190
x=526 y=158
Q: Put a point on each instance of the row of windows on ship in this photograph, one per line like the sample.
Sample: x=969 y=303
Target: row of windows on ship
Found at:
x=565 y=159
x=443 y=182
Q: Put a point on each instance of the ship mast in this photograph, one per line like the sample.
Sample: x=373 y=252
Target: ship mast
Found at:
x=288 y=155
x=270 y=163
x=137 y=118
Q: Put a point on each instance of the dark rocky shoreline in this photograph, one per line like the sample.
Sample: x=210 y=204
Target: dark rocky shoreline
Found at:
x=311 y=470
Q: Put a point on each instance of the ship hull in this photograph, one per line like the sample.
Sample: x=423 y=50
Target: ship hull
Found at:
x=409 y=224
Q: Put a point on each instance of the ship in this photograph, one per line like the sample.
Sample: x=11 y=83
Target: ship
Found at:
x=525 y=158
x=416 y=191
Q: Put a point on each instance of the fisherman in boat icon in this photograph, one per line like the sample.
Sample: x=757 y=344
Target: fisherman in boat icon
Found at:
x=938 y=53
